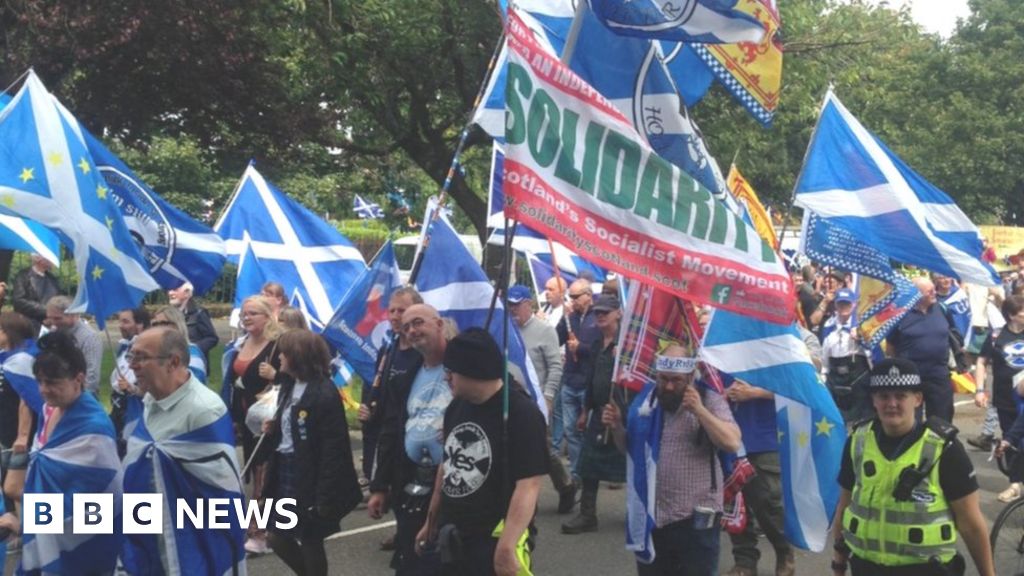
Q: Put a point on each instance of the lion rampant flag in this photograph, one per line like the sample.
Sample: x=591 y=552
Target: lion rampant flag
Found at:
x=745 y=195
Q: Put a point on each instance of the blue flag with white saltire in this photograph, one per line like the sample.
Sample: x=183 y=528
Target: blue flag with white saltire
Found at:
x=193 y=466
x=541 y=272
x=176 y=247
x=29 y=236
x=529 y=241
x=79 y=457
x=852 y=180
x=16 y=367
x=703 y=21
x=451 y=281
x=360 y=325
x=366 y=210
x=48 y=175
x=812 y=432
x=291 y=244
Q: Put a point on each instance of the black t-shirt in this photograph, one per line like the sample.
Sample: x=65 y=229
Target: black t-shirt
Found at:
x=1005 y=353
x=808 y=302
x=956 y=473
x=473 y=495
x=9 y=402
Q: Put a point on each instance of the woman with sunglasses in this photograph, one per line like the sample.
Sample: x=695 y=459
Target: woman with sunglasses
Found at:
x=311 y=458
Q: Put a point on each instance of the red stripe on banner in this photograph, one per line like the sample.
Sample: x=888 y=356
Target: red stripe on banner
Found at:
x=700 y=277
x=557 y=75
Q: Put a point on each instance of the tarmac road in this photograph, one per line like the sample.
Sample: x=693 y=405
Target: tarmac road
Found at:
x=354 y=551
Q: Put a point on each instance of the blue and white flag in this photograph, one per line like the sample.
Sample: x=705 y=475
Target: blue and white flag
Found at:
x=851 y=179
x=176 y=247
x=29 y=236
x=529 y=241
x=541 y=272
x=16 y=367
x=642 y=453
x=291 y=244
x=194 y=466
x=48 y=175
x=451 y=281
x=251 y=276
x=366 y=210
x=812 y=432
x=360 y=325
x=703 y=21
x=80 y=457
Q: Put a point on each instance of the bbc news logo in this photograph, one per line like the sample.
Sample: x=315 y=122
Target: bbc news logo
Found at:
x=144 y=513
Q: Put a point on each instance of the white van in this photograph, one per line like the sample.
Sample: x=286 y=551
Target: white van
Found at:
x=405 y=251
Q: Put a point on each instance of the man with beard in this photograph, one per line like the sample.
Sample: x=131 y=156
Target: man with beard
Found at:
x=131 y=323
x=409 y=448
x=487 y=489
x=672 y=436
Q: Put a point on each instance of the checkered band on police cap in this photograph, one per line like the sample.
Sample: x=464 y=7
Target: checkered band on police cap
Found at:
x=895 y=374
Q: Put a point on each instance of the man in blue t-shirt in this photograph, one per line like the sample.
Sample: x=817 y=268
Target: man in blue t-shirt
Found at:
x=753 y=409
x=922 y=336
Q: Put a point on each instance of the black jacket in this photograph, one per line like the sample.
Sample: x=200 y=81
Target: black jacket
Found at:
x=326 y=485
x=393 y=470
x=27 y=301
x=200 y=328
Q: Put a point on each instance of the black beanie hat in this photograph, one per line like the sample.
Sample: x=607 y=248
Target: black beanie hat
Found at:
x=474 y=354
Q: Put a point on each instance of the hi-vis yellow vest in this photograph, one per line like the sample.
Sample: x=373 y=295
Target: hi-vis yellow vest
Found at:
x=877 y=527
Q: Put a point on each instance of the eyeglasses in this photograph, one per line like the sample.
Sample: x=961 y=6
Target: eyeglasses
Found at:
x=414 y=323
x=134 y=357
x=157 y=323
x=575 y=296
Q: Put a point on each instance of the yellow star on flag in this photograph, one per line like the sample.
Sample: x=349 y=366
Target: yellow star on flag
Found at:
x=83 y=165
x=97 y=272
x=802 y=439
x=101 y=191
x=110 y=223
x=781 y=434
x=824 y=427
x=27 y=174
x=55 y=158
x=7 y=200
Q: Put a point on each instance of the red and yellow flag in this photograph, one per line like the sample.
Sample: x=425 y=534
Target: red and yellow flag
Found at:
x=744 y=194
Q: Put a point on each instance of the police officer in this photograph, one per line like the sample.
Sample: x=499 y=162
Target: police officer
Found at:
x=907 y=488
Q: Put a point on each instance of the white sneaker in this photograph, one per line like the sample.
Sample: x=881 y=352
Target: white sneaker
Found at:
x=256 y=546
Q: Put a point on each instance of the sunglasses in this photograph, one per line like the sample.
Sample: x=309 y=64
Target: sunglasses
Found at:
x=575 y=296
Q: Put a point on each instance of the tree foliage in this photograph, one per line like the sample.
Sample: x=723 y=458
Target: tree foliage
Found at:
x=339 y=97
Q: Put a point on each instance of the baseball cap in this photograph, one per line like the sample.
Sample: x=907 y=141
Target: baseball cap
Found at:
x=605 y=302
x=518 y=293
x=845 y=295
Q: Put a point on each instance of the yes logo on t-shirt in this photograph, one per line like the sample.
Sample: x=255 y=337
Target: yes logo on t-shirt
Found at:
x=467 y=460
x=1013 y=353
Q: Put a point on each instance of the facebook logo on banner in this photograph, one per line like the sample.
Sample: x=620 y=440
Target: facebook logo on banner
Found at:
x=144 y=513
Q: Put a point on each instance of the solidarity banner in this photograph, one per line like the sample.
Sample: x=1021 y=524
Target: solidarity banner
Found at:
x=577 y=171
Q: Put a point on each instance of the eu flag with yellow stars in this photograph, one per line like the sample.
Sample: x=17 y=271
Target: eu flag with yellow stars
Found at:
x=48 y=175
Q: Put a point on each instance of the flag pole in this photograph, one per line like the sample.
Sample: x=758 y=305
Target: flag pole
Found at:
x=803 y=166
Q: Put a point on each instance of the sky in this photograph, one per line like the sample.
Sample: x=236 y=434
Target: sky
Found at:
x=937 y=16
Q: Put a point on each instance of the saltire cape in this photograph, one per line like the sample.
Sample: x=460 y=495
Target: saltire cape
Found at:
x=80 y=457
x=17 y=365
x=195 y=466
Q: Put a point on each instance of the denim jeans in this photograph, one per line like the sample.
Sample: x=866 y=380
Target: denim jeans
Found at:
x=572 y=406
x=681 y=550
x=556 y=423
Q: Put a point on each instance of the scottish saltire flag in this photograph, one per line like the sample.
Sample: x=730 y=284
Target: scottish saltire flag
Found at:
x=541 y=272
x=80 y=457
x=495 y=196
x=851 y=179
x=451 y=281
x=812 y=432
x=366 y=210
x=48 y=175
x=642 y=453
x=291 y=244
x=884 y=295
x=529 y=241
x=704 y=21
x=251 y=277
x=550 y=21
x=195 y=465
x=360 y=325
x=176 y=248
x=16 y=367
x=29 y=236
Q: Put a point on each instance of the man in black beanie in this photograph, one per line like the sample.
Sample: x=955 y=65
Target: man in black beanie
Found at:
x=486 y=491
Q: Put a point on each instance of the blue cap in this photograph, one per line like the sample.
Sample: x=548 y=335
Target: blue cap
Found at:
x=518 y=293
x=845 y=295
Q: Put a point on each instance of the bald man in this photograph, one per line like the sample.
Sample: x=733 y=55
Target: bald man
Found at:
x=923 y=337
x=410 y=447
